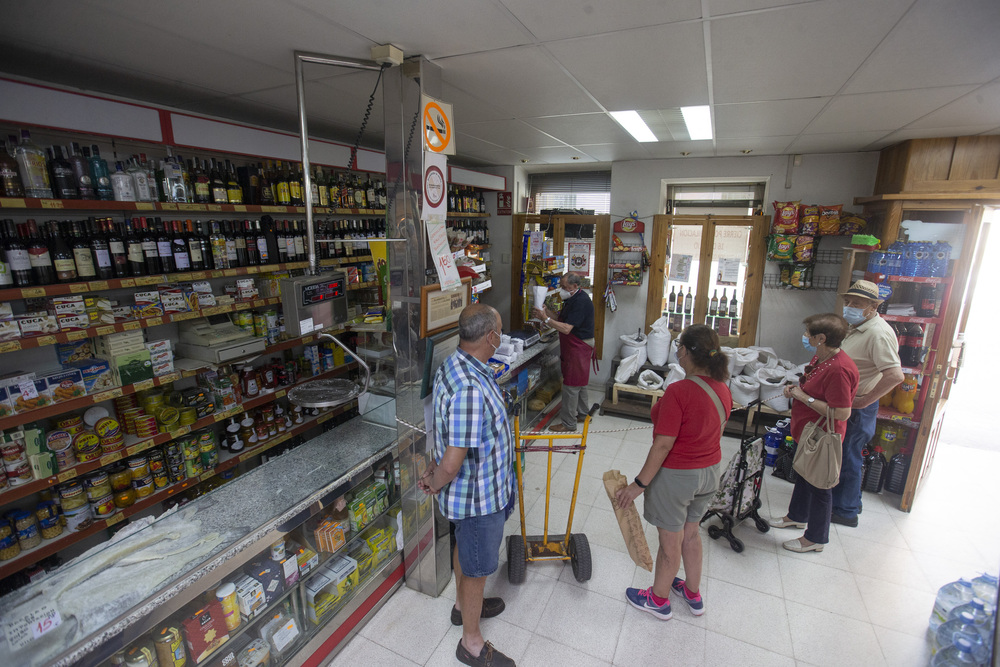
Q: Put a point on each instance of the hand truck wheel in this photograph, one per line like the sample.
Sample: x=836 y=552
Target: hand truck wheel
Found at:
x=517 y=559
x=579 y=556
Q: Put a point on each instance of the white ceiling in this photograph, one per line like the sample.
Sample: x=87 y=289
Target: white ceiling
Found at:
x=532 y=81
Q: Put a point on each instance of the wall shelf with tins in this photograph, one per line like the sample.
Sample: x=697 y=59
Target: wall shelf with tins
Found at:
x=230 y=460
x=898 y=418
x=70 y=205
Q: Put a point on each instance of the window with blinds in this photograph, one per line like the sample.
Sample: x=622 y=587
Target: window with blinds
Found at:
x=697 y=199
x=587 y=190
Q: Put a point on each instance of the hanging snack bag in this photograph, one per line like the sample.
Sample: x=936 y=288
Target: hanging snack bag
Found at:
x=809 y=220
x=785 y=275
x=829 y=220
x=804 y=246
x=781 y=248
x=801 y=277
x=852 y=223
x=786 y=217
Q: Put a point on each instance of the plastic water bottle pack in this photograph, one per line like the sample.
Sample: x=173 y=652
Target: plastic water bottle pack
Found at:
x=962 y=623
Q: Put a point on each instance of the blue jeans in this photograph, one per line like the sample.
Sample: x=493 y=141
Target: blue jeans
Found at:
x=860 y=430
x=811 y=506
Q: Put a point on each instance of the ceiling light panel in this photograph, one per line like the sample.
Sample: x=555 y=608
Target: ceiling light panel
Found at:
x=634 y=125
x=698 y=121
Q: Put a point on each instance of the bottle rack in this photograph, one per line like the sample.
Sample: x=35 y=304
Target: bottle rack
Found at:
x=98 y=205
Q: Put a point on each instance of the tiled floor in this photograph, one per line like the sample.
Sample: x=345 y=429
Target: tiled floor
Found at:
x=864 y=600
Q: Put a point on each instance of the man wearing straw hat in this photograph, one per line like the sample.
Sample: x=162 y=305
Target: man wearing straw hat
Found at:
x=873 y=346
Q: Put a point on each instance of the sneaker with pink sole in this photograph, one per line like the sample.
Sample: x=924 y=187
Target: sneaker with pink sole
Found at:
x=694 y=602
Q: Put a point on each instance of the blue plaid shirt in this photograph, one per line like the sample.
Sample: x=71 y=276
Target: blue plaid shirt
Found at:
x=469 y=411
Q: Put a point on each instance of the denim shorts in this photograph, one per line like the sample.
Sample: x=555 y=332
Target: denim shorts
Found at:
x=478 y=540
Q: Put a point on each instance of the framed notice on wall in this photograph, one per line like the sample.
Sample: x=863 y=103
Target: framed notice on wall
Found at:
x=439 y=311
x=579 y=258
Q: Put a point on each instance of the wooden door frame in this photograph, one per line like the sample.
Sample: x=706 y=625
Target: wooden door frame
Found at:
x=756 y=256
x=601 y=240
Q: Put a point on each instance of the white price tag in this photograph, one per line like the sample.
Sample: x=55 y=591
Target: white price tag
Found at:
x=28 y=390
x=285 y=636
x=290 y=568
x=306 y=325
x=30 y=626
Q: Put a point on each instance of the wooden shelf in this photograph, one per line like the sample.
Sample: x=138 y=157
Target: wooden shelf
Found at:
x=178 y=207
x=131 y=325
x=61 y=289
x=454 y=216
x=135 y=445
x=897 y=417
x=50 y=547
x=340 y=261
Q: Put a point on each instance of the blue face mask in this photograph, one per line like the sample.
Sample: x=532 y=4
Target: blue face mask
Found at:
x=854 y=315
x=805 y=343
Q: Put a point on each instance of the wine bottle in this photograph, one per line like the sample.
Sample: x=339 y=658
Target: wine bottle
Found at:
x=62 y=253
x=133 y=251
x=295 y=188
x=282 y=192
x=265 y=192
x=6 y=279
x=18 y=260
x=732 y=306
x=220 y=260
x=263 y=249
x=219 y=193
x=241 y=244
x=99 y=250
x=34 y=170
x=322 y=187
x=713 y=305
x=299 y=242
x=202 y=184
x=250 y=241
x=723 y=304
x=116 y=246
x=230 y=240
x=99 y=175
x=164 y=247
x=83 y=257
x=149 y=249
x=179 y=247
x=194 y=243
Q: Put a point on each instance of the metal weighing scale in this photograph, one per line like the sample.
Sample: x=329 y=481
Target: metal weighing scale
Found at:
x=314 y=302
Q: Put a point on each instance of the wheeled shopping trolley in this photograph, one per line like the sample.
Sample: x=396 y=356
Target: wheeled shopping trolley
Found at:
x=738 y=497
x=574 y=547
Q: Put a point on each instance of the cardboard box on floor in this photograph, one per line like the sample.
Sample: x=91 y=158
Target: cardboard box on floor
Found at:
x=628 y=521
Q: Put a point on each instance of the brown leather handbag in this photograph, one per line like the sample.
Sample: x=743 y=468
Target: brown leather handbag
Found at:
x=819 y=453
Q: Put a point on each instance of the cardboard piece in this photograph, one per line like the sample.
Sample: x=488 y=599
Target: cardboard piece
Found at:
x=629 y=522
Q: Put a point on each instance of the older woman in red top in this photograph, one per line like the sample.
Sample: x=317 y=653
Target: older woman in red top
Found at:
x=681 y=473
x=830 y=383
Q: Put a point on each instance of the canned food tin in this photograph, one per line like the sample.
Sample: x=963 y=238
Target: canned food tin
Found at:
x=139 y=466
x=209 y=455
x=109 y=445
x=168 y=417
x=193 y=467
x=123 y=403
x=161 y=479
x=75 y=430
x=107 y=427
x=104 y=507
x=188 y=416
x=14 y=463
x=143 y=487
x=177 y=472
x=86 y=442
x=68 y=421
x=98 y=485
x=19 y=475
x=78 y=518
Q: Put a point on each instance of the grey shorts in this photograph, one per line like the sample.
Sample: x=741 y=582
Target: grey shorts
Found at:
x=676 y=497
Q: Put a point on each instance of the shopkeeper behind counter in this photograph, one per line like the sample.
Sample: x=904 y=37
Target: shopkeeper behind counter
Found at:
x=575 y=324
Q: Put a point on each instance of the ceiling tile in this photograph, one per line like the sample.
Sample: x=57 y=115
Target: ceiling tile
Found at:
x=499 y=156
x=664 y=149
x=765 y=119
x=840 y=142
x=882 y=111
x=432 y=28
x=559 y=19
x=509 y=133
x=591 y=128
x=556 y=155
x=630 y=150
x=645 y=68
x=981 y=106
x=723 y=7
x=913 y=54
x=759 y=145
x=804 y=50
x=522 y=81
x=468 y=108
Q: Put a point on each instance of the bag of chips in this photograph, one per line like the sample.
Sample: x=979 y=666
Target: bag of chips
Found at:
x=804 y=246
x=852 y=223
x=785 y=275
x=801 y=276
x=786 y=217
x=829 y=220
x=781 y=248
x=809 y=219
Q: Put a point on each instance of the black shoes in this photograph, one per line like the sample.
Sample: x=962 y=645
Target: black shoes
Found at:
x=488 y=657
x=844 y=521
x=491 y=607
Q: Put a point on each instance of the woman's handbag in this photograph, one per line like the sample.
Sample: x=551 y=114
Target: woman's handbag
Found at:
x=818 y=454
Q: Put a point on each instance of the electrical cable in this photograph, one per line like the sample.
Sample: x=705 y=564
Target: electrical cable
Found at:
x=364 y=123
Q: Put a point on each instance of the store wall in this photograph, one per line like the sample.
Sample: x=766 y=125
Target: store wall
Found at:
x=500 y=243
x=819 y=179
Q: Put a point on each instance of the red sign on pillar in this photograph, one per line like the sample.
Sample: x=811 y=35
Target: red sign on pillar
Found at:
x=504 y=203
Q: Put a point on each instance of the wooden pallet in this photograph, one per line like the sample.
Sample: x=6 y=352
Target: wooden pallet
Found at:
x=653 y=394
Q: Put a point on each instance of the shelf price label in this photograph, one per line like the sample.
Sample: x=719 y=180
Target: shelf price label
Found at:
x=99 y=285
x=154 y=321
x=128 y=282
x=107 y=395
x=142 y=385
x=183 y=430
x=104 y=331
x=118 y=517
x=76 y=335
x=131 y=326
x=205 y=475
x=46 y=340
x=111 y=458
x=32 y=292
x=52 y=203
x=79 y=287
x=66 y=474
x=23 y=630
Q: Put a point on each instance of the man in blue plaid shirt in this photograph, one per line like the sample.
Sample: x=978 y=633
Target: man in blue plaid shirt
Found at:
x=473 y=476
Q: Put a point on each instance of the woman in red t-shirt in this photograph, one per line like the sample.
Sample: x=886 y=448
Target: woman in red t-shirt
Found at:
x=681 y=473
x=830 y=382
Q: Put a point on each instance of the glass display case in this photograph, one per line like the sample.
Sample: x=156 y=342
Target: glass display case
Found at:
x=260 y=571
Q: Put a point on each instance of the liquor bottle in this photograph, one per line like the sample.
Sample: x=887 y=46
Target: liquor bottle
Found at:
x=234 y=192
x=133 y=251
x=100 y=250
x=482 y=203
x=265 y=194
x=116 y=246
x=62 y=254
x=81 y=173
x=282 y=194
x=149 y=250
x=333 y=185
x=63 y=178
x=99 y=175
x=9 y=173
x=300 y=242
x=381 y=195
x=347 y=193
x=121 y=184
x=723 y=304
x=186 y=179
x=295 y=188
x=322 y=187
x=360 y=197
x=195 y=245
x=263 y=249
x=32 y=165
x=140 y=180
x=452 y=200
x=174 y=189
x=6 y=279
x=202 y=184
x=39 y=255
x=179 y=247
x=734 y=325
x=314 y=188
x=229 y=241
x=713 y=305
x=164 y=247
x=671 y=299
x=369 y=192
x=250 y=241
x=220 y=258
x=241 y=244
x=220 y=194
x=252 y=183
x=292 y=256
x=83 y=257
x=151 y=180
x=16 y=255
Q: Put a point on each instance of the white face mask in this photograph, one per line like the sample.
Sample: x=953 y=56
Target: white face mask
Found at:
x=497 y=346
x=564 y=293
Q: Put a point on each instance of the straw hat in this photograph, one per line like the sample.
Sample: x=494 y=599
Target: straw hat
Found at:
x=865 y=289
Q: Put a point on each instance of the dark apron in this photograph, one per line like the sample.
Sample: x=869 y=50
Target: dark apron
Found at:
x=574 y=357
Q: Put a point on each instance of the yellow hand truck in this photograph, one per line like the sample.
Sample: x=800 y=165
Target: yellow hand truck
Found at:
x=574 y=547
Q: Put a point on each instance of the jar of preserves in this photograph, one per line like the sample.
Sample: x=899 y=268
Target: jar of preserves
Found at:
x=141 y=655
x=98 y=486
x=139 y=465
x=124 y=497
x=25 y=527
x=9 y=547
x=120 y=478
x=169 y=647
x=49 y=524
x=246 y=430
x=71 y=496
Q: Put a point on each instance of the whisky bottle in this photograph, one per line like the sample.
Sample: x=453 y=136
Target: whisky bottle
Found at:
x=34 y=170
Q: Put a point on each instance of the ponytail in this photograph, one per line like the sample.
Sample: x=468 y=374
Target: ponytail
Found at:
x=702 y=343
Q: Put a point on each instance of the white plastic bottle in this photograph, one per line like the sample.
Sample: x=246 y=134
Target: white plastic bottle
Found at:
x=958 y=655
x=948 y=597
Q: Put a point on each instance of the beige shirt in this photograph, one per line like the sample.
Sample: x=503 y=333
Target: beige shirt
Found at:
x=874 y=348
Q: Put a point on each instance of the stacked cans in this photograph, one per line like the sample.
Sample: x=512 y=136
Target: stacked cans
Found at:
x=17 y=470
x=174 y=460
